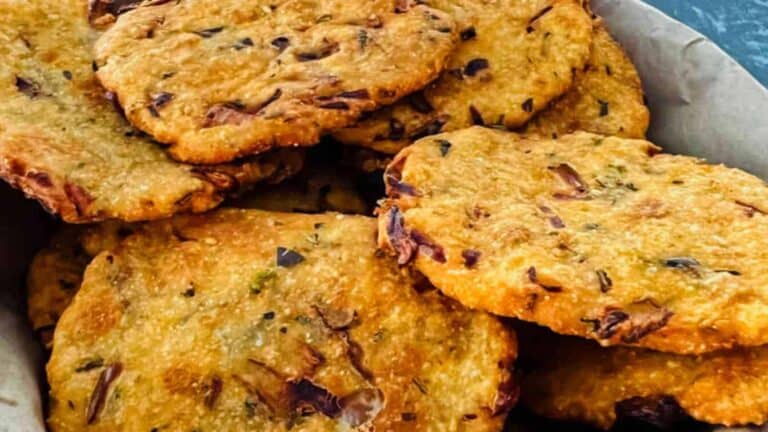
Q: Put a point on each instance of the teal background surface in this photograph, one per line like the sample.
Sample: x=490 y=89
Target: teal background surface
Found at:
x=740 y=27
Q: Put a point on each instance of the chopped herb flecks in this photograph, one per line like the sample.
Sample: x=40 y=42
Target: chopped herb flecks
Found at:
x=99 y=394
x=534 y=278
x=281 y=43
x=470 y=257
x=475 y=65
x=528 y=105
x=468 y=33
x=477 y=117
x=603 y=108
x=605 y=281
x=288 y=258
x=90 y=364
x=28 y=87
x=263 y=280
x=242 y=43
x=682 y=263
x=209 y=32
x=212 y=391
x=419 y=385
x=445 y=147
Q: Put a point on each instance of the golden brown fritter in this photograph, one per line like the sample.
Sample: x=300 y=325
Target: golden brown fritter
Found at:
x=606 y=98
x=220 y=80
x=243 y=319
x=64 y=144
x=576 y=379
x=515 y=57
x=591 y=236
x=57 y=271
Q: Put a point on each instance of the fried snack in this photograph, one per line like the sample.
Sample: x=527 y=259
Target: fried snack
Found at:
x=576 y=379
x=57 y=271
x=220 y=80
x=606 y=98
x=516 y=57
x=243 y=319
x=590 y=236
x=63 y=144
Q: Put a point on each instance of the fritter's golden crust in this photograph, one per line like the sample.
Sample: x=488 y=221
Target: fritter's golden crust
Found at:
x=587 y=235
x=63 y=144
x=244 y=319
x=57 y=271
x=606 y=98
x=220 y=80
x=516 y=56
x=576 y=379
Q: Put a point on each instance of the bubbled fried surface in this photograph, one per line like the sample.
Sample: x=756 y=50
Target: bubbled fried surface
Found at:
x=606 y=97
x=63 y=144
x=575 y=379
x=196 y=323
x=587 y=235
x=219 y=80
x=514 y=58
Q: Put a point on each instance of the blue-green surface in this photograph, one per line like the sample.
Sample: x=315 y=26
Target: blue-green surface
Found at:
x=740 y=27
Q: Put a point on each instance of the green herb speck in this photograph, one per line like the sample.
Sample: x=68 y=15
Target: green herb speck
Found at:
x=263 y=279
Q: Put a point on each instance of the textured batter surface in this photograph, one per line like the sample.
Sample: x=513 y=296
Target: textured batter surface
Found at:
x=587 y=235
x=606 y=98
x=576 y=379
x=515 y=57
x=218 y=80
x=64 y=144
x=243 y=319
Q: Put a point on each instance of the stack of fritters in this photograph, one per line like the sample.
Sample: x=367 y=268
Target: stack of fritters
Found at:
x=517 y=185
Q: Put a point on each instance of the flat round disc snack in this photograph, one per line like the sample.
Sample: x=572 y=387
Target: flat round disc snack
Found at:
x=63 y=144
x=249 y=320
x=219 y=80
x=575 y=379
x=606 y=98
x=591 y=236
x=515 y=57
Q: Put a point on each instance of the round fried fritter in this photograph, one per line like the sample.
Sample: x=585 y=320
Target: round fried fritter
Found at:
x=243 y=319
x=57 y=271
x=219 y=80
x=576 y=379
x=606 y=98
x=63 y=144
x=587 y=235
x=516 y=56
